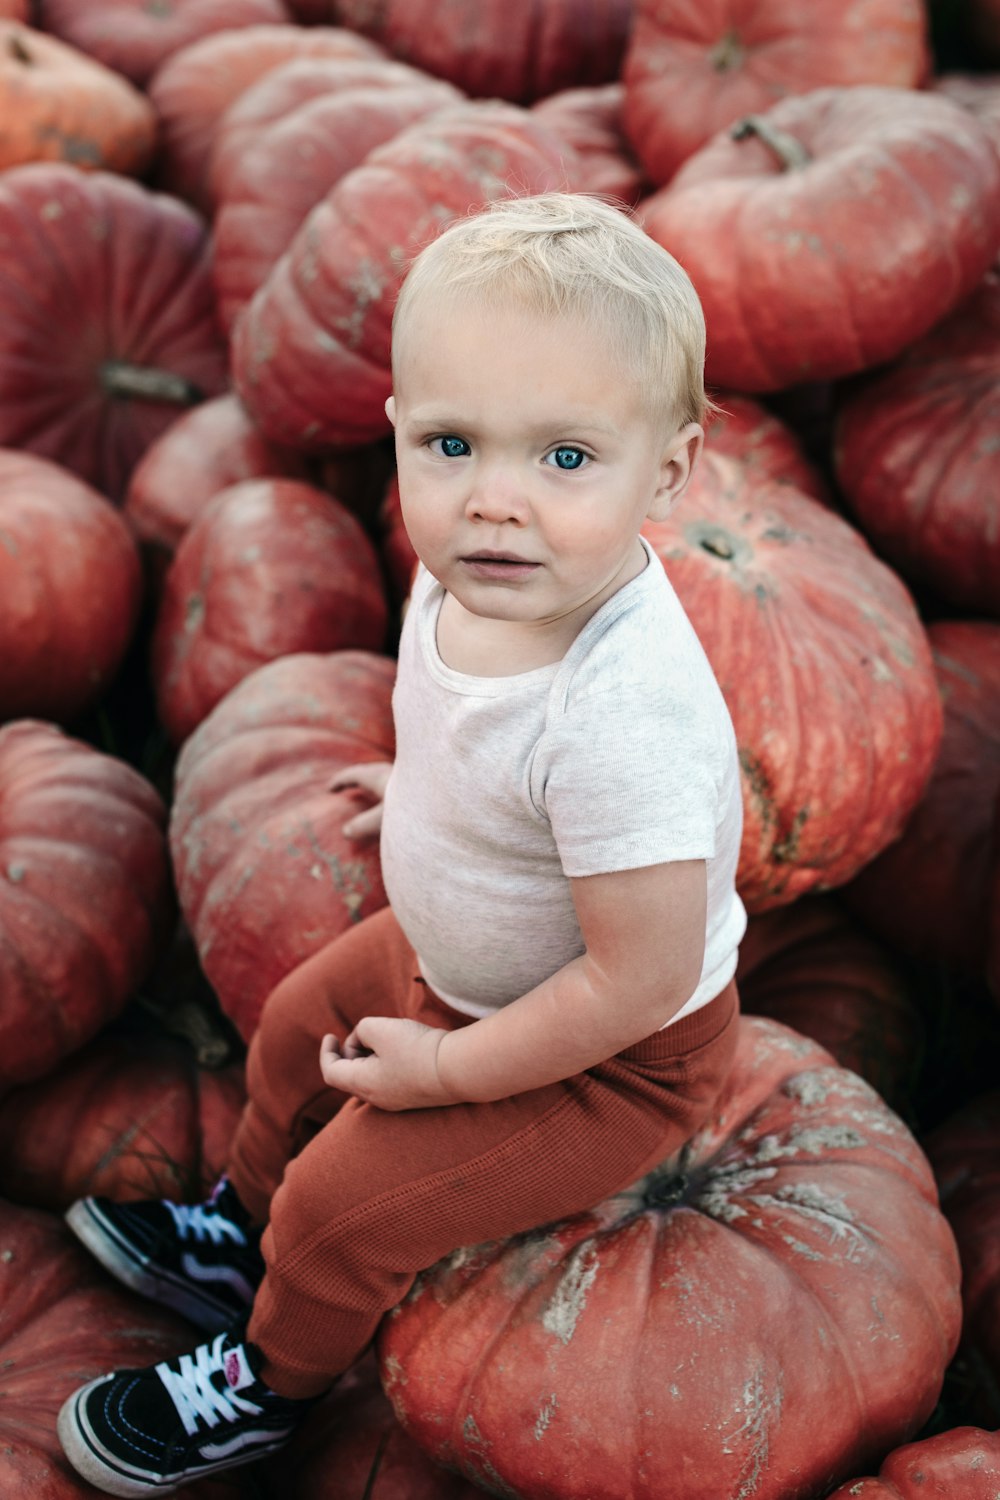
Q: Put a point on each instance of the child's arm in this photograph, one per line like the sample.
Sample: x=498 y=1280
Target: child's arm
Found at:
x=644 y=932
x=371 y=776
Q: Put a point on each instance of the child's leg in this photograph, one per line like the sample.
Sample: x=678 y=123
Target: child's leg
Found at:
x=376 y=1196
x=367 y=971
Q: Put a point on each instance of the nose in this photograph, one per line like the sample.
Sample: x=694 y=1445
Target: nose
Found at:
x=495 y=497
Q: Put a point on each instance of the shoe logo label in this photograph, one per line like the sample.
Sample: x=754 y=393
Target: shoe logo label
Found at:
x=192 y=1267
x=236 y=1369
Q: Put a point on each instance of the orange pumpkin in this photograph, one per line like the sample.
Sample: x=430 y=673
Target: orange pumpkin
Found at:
x=57 y=104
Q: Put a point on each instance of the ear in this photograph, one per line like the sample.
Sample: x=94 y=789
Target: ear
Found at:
x=390 y=410
x=677 y=464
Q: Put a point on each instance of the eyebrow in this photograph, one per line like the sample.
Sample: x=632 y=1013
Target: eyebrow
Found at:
x=565 y=422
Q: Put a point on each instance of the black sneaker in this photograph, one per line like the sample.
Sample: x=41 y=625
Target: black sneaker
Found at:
x=203 y=1260
x=145 y=1432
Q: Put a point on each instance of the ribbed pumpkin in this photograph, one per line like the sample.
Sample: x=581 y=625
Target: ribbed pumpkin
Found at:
x=829 y=233
x=287 y=141
x=764 y=1314
x=57 y=104
x=129 y=1116
x=207 y=449
x=70 y=589
x=824 y=665
x=85 y=895
x=927 y=894
x=965 y=1154
x=63 y=1321
x=195 y=87
x=135 y=39
x=270 y=567
x=107 y=319
x=264 y=872
x=963 y=1464
x=811 y=967
x=311 y=353
x=590 y=121
x=918 y=457
x=692 y=69
x=745 y=430
x=495 y=50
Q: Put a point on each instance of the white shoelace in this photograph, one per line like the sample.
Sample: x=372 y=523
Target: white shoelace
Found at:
x=195 y=1397
x=203 y=1224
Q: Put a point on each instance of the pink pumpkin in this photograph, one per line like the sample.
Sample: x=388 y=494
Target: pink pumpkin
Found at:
x=590 y=121
x=963 y=1464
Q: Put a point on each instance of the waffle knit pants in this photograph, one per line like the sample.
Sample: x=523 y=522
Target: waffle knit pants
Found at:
x=358 y=1199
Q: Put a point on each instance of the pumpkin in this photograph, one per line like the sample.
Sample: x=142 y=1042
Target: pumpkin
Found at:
x=811 y=967
x=135 y=39
x=264 y=872
x=14 y=10
x=965 y=1154
x=918 y=459
x=270 y=567
x=397 y=549
x=744 y=429
x=978 y=92
x=311 y=352
x=691 y=70
x=194 y=88
x=85 y=894
x=106 y=318
x=963 y=1463
x=825 y=668
x=63 y=1321
x=826 y=235
x=777 y=1303
x=210 y=447
x=57 y=104
x=926 y=895
x=590 y=121
x=63 y=638
x=494 y=50
x=128 y=1116
x=328 y=114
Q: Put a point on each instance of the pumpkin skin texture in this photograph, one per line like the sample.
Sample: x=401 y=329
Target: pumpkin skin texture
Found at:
x=126 y=1117
x=819 y=270
x=495 y=50
x=268 y=179
x=804 y=1202
x=193 y=90
x=106 y=319
x=746 y=431
x=63 y=1321
x=85 y=893
x=811 y=967
x=918 y=459
x=825 y=668
x=311 y=353
x=63 y=639
x=206 y=450
x=965 y=1155
x=926 y=895
x=135 y=39
x=270 y=567
x=590 y=121
x=255 y=832
x=963 y=1464
x=692 y=68
x=57 y=104
x=978 y=92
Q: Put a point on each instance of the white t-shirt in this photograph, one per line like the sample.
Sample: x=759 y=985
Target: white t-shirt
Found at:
x=619 y=756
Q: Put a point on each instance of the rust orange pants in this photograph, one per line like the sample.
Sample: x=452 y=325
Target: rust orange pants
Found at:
x=358 y=1199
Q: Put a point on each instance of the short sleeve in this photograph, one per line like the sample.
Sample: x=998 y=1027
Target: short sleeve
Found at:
x=629 y=779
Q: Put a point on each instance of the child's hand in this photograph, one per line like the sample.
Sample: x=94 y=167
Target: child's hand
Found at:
x=388 y=1062
x=371 y=777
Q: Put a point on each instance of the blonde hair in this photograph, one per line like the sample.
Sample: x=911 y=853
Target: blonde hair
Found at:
x=573 y=252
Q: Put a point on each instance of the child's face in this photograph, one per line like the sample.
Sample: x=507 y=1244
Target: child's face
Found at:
x=526 y=464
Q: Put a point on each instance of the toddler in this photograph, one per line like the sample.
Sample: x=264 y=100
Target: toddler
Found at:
x=546 y=1007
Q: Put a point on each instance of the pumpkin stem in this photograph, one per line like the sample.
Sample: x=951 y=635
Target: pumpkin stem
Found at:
x=142 y=383
x=17 y=49
x=728 y=54
x=790 y=152
x=719 y=545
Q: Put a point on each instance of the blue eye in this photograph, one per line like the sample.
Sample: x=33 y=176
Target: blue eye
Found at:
x=451 y=446
x=568 y=458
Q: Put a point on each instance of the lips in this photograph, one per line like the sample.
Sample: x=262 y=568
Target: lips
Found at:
x=485 y=555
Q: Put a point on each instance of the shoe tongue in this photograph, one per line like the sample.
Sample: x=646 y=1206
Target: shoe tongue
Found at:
x=236 y=1368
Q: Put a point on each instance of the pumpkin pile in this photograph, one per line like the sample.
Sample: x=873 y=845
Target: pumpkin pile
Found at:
x=206 y=210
